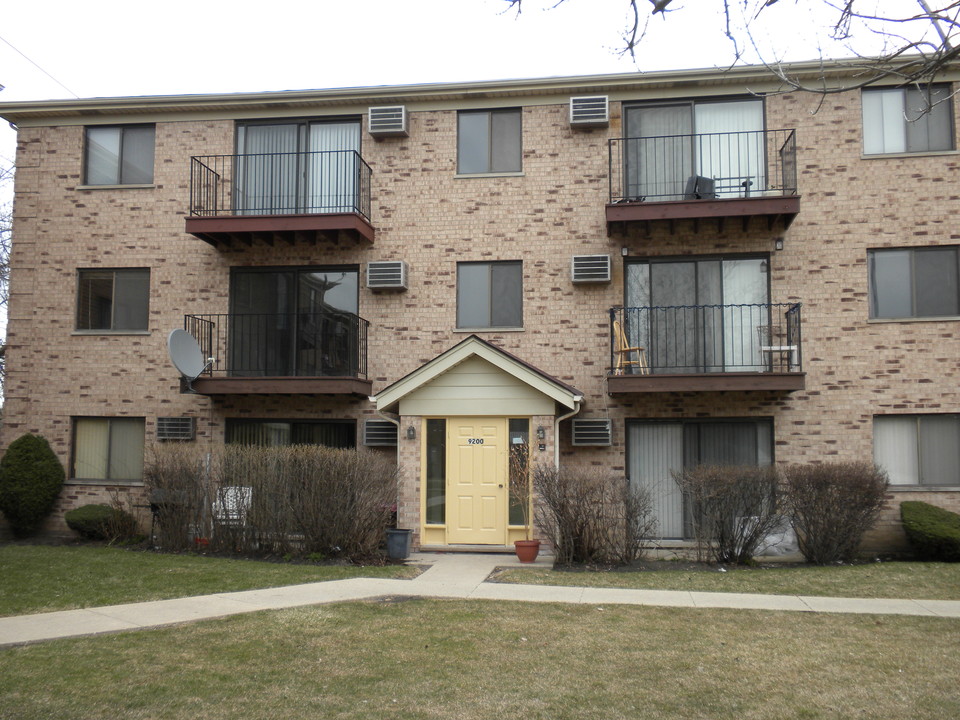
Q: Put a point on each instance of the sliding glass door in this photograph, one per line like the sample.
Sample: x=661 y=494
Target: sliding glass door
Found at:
x=669 y=147
x=698 y=315
x=657 y=449
x=295 y=322
x=299 y=167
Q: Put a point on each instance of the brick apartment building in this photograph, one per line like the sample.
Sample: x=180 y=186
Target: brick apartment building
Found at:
x=638 y=272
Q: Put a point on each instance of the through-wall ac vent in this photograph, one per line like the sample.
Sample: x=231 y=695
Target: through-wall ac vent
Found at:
x=590 y=431
x=590 y=268
x=387 y=275
x=379 y=433
x=592 y=111
x=387 y=121
x=175 y=428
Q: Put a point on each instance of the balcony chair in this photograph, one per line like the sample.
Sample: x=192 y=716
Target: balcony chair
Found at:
x=775 y=342
x=623 y=350
x=231 y=505
x=700 y=188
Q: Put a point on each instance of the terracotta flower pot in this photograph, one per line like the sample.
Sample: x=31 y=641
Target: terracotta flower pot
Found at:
x=527 y=550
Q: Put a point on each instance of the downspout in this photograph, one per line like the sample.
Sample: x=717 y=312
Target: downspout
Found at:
x=577 y=399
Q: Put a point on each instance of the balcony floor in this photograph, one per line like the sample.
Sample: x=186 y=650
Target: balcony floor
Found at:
x=774 y=209
x=282 y=386
x=232 y=231
x=707 y=382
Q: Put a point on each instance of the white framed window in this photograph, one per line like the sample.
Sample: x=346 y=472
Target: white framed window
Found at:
x=488 y=141
x=907 y=120
x=914 y=282
x=119 y=155
x=918 y=449
x=490 y=294
x=113 y=299
x=108 y=448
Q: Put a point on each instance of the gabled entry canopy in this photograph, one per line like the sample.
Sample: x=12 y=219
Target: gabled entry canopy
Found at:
x=491 y=380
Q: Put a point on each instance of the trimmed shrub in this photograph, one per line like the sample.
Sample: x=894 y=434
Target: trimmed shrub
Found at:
x=734 y=508
x=934 y=532
x=832 y=506
x=591 y=517
x=102 y=522
x=31 y=479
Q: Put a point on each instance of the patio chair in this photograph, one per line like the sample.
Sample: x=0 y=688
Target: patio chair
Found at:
x=775 y=344
x=231 y=505
x=628 y=355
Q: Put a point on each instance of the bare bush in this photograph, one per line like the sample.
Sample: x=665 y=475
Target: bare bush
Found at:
x=591 y=517
x=296 y=500
x=177 y=480
x=832 y=506
x=341 y=500
x=733 y=508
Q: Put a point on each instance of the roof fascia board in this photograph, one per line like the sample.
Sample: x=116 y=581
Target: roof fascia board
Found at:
x=755 y=78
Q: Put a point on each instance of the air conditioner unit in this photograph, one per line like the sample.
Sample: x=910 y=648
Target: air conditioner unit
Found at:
x=590 y=268
x=175 y=428
x=387 y=121
x=387 y=275
x=593 y=111
x=592 y=431
x=379 y=433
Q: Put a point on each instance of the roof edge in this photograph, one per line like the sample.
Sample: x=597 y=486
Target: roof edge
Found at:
x=760 y=75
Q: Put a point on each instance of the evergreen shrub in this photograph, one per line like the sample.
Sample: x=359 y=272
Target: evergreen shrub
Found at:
x=31 y=478
x=934 y=532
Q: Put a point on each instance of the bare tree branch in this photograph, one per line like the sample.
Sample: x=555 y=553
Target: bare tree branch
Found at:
x=915 y=46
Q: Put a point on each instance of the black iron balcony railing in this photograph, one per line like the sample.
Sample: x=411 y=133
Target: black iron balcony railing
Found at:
x=325 y=344
x=335 y=181
x=705 y=166
x=686 y=339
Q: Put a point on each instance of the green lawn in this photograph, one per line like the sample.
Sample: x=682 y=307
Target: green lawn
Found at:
x=43 y=578
x=465 y=660
x=929 y=581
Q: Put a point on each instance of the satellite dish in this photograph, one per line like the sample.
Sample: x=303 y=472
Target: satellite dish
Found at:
x=185 y=354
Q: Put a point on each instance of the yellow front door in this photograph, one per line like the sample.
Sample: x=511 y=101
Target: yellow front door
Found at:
x=477 y=481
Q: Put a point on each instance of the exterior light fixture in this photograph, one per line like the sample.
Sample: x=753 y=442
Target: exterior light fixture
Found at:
x=411 y=433
x=541 y=433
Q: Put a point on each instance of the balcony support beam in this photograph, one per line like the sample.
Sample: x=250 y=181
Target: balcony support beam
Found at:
x=777 y=209
x=706 y=382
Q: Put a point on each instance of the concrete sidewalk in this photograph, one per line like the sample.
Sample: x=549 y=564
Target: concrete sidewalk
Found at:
x=448 y=575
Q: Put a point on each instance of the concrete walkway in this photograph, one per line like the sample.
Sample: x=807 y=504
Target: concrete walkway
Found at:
x=449 y=575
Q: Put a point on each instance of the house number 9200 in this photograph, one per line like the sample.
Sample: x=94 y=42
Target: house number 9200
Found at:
x=474 y=441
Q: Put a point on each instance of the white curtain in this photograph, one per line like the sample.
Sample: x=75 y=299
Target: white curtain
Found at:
x=659 y=154
x=333 y=168
x=940 y=449
x=895 y=448
x=736 y=156
x=744 y=283
x=267 y=172
x=91 y=444
x=126 y=449
x=883 y=121
x=108 y=448
x=656 y=449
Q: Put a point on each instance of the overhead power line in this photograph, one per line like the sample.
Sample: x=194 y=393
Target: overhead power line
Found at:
x=39 y=68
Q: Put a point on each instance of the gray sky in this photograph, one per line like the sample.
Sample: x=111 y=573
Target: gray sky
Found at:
x=103 y=48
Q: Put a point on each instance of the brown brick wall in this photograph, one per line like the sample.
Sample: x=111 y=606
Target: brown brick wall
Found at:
x=426 y=216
